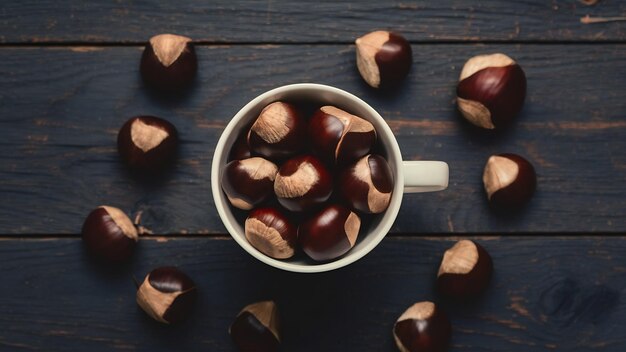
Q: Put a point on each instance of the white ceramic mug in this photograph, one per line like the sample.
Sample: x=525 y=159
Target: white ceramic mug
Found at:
x=409 y=176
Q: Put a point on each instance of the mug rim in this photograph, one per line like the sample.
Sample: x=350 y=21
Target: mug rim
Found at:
x=389 y=216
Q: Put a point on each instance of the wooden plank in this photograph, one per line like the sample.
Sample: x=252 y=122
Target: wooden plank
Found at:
x=251 y=21
x=547 y=294
x=60 y=109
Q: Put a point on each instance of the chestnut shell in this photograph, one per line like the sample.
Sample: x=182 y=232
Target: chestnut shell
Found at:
x=502 y=90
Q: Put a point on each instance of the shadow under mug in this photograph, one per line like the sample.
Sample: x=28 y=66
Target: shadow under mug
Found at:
x=409 y=176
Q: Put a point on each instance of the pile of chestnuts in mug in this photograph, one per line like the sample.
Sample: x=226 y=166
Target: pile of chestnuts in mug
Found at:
x=308 y=177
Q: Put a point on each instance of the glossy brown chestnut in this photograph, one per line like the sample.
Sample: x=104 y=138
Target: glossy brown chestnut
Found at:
x=329 y=233
x=167 y=295
x=279 y=132
x=248 y=182
x=509 y=181
x=240 y=149
x=367 y=184
x=109 y=234
x=256 y=328
x=147 y=143
x=422 y=328
x=302 y=183
x=340 y=137
x=491 y=90
x=271 y=232
x=383 y=58
x=169 y=62
x=465 y=270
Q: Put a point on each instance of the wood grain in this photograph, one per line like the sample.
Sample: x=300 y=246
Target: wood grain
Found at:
x=543 y=296
x=251 y=21
x=60 y=109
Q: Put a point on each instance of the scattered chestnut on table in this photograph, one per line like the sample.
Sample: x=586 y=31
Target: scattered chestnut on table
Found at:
x=465 y=271
x=167 y=295
x=278 y=132
x=329 y=233
x=248 y=182
x=509 y=181
x=271 y=232
x=423 y=327
x=302 y=183
x=383 y=58
x=367 y=184
x=169 y=62
x=256 y=328
x=491 y=90
x=147 y=143
x=340 y=137
x=109 y=234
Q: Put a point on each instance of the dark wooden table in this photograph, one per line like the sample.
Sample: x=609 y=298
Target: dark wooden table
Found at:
x=69 y=79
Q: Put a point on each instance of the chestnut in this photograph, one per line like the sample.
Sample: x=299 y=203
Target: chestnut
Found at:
x=509 y=181
x=340 y=137
x=383 y=58
x=330 y=233
x=169 y=62
x=109 y=234
x=367 y=184
x=465 y=270
x=279 y=131
x=302 y=183
x=147 y=143
x=422 y=328
x=167 y=295
x=271 y=232
x=491 y=90
x=256 y=328
x=248 y=182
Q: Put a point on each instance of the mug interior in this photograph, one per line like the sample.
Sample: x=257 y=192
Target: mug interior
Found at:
x=375 y=230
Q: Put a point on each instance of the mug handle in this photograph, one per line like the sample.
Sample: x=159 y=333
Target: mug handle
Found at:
x=425 y=176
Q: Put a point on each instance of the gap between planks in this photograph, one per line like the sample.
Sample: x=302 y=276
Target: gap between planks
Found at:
x=311 y=43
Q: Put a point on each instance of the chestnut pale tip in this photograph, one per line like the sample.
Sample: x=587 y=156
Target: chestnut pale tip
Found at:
x=272 y=125
x=256 y=327
x=298 y=183
x=500 y=172
x=491 y=90
x=302 y=183
x=460 y=259
x=146 y=137
x=122 y=221
x=383 y=58
x=422 y=327
x=169 y=47
x=509 y=180
x=269 y=231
